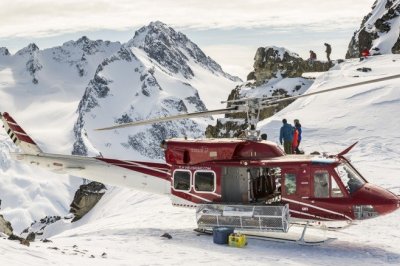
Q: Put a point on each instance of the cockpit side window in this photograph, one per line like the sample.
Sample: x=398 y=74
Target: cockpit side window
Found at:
x=350 y=178
x=321 y=184
x=336 y=192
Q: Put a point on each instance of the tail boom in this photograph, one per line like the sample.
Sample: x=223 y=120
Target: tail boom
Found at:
x=142 y=176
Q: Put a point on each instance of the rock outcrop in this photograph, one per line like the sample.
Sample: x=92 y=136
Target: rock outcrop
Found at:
x=269 y=62
x=277 y=72
x=4 y=51
x=379 y=30
x=86 y=197
x=33 y=64
x=5 y=226
x=37 y=228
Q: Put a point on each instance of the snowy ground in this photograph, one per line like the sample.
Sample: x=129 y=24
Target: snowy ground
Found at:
x=129 y=233
x=127 y=225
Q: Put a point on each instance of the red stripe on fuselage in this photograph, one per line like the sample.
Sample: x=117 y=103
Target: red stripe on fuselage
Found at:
x=153 y=169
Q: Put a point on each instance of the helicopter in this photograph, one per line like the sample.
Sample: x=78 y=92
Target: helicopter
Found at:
x=246 y=183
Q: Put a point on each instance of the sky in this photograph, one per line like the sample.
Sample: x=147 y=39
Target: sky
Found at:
x=229 y=31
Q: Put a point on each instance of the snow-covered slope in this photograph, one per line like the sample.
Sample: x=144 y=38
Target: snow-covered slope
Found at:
x=127 y=225
x=159 y=72
x=87 y=84
x=180 y=57
x=42 y=89
x=367 y=114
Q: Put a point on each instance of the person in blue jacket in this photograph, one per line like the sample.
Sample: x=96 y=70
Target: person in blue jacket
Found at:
x=286 y=136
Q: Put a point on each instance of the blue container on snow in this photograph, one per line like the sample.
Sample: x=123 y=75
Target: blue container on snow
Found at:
x=221 y=235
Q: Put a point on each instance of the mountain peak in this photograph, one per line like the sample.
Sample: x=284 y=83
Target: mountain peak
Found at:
x=173 y=50
x=4 y=51
x=158 y=24
x=31 y=48
x=89 y=46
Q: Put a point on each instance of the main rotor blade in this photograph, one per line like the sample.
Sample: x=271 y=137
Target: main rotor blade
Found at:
x=334 y=89
x=234 y=109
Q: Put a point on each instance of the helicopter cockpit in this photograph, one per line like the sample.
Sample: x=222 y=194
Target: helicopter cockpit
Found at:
x=350 y=178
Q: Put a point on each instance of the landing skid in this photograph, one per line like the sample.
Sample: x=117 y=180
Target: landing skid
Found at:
x=278 y=237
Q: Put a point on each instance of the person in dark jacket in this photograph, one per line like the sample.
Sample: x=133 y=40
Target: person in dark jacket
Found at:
x=328 y=51
x=297 y=126
x=286 y=136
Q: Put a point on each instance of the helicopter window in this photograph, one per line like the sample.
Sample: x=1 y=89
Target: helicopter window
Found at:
x=336 y=192
x=182 y=180
x=204 y=181
x=290 y=184
x=350 y=178
x=321 y=184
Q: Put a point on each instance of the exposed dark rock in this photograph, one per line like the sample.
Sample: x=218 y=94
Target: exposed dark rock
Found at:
x=125 y=118
x=46 y=240
x=37 y=227
x=31 y=237
x=364 y=69
x=227 y=128
x=251 y=76
x=86 y=198
x=21 y=240
x=5 y=226
x=374 y=27
x=269 y=62
x=166 y=235
x=4 y=51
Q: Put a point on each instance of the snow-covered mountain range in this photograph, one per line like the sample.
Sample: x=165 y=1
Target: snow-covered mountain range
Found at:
x=60 y=94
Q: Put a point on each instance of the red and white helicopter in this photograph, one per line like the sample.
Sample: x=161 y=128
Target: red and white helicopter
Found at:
x=247 y=183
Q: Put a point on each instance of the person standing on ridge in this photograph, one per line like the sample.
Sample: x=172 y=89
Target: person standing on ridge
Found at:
x=297 y=127
x=328 y=51
x=286 y=136
x=313 y=57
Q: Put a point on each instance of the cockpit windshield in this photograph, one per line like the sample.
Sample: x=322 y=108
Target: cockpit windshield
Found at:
x=350 y=178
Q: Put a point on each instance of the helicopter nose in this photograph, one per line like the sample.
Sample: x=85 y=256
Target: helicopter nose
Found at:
x=375 y=201
x=388 y=205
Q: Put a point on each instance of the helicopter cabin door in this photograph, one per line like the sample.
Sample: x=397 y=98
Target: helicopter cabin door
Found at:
x=235 y=185
x=295 y=182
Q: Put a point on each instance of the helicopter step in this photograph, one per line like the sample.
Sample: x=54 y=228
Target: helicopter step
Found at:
x=271 y=218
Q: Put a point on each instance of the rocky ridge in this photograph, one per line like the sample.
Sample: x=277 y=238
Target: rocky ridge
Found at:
x=158 y=62
x=379 y=30
x=4 y=51
x=277 y=72
x=173 y=50
x=271 y=62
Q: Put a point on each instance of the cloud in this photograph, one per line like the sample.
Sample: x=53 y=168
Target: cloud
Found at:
x=44 y=18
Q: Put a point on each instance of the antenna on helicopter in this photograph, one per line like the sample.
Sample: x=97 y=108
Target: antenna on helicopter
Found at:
x=251 y=106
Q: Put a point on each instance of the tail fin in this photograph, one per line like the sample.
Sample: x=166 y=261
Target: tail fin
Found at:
x=19 y=136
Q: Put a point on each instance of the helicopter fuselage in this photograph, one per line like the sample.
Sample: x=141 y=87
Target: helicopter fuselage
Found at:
x=230 y=171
